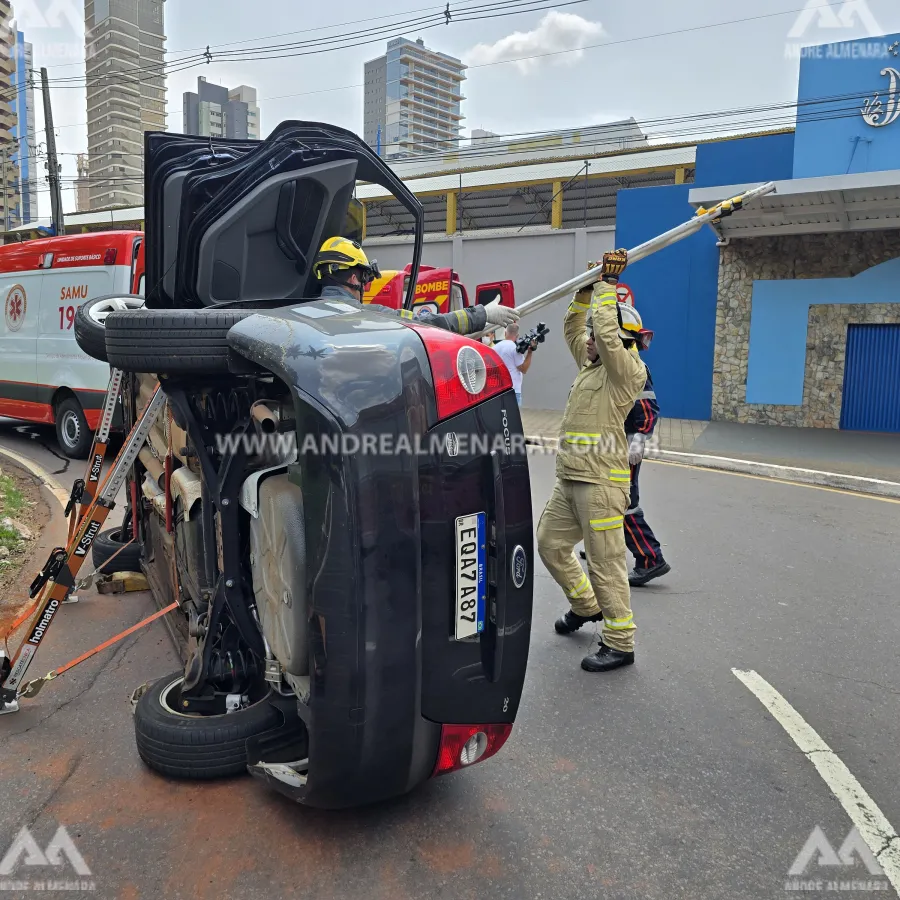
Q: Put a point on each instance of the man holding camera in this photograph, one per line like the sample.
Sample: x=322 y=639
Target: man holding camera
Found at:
x=593 y=478
x=517 y=363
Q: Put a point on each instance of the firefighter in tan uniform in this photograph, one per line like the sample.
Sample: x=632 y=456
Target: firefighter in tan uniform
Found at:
x=593 y=479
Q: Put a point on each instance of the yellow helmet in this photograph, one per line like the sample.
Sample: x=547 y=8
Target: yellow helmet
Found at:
x=338 y=254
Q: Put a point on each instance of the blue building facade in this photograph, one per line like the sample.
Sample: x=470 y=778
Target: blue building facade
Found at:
x=23 y=130
x=756 y=331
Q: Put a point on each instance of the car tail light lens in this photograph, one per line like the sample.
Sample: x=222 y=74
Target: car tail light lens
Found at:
x=465 y=745
x=465 y=372
x=110 y=258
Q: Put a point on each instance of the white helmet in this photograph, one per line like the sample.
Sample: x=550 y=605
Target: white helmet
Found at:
x=631 y=326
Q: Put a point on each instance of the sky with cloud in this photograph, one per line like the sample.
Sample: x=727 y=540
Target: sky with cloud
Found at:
x=576 y=64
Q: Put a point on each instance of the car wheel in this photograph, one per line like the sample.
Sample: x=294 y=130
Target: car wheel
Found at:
x=90 y=321
x=111 y=543
x=72 y=431
x=192 y=746
x=172 y=341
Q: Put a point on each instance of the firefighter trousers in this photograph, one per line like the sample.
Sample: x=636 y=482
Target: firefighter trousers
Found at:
x=594 y=513
x=639 y=536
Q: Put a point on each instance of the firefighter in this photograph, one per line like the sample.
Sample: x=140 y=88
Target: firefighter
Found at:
x=344 y=270
x=592 y=487
x=639 y=536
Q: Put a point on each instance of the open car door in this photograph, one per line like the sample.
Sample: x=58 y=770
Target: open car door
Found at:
x=233 y=222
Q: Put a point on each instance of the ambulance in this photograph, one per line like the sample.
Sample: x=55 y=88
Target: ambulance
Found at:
x=44 y=376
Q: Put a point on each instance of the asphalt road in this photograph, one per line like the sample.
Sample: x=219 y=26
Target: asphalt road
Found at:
x=665 y=780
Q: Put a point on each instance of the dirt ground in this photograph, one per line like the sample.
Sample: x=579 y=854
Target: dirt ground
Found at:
x=22 y=502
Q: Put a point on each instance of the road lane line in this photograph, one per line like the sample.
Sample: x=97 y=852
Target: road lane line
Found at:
x=872 y=824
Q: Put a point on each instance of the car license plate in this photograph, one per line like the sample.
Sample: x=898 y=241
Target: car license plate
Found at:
x=471 y=575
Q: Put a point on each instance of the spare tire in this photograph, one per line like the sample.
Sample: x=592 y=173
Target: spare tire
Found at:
x=111 y=543
x=90 y=321
x=192 y=746
x=172 y=341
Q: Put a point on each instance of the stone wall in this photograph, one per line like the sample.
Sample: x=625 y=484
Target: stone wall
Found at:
x=838 y=255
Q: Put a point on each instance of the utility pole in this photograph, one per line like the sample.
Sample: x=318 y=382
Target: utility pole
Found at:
x=52 y=161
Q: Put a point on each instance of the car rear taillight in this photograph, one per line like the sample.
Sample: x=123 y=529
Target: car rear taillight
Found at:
x=465 y=745
x=465 y=373
x=110 y=258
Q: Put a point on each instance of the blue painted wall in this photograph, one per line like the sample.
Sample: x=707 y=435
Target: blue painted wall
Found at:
x=835 y=81
x=675 y=293
x=778 y=326
x=769 y=158
x=676 y=289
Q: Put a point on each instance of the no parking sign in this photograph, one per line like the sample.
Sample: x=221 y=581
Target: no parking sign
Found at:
x=626 y=295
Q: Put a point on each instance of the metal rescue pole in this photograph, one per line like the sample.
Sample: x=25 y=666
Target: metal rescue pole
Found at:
x=642 y=251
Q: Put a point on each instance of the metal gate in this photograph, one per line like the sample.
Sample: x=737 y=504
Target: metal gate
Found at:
x=872 y=379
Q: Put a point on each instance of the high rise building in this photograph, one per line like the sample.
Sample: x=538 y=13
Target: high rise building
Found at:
x=126 y=94
x=411 y=103
x=9 y=173
x=83 y=184
x=25 y=156
x=216 y=111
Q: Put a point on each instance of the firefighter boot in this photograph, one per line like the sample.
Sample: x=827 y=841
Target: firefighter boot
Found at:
x=571 y=622
x=606 y=659
x=639 y=576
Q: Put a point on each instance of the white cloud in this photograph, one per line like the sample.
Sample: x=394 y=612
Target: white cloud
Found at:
x=556 y=31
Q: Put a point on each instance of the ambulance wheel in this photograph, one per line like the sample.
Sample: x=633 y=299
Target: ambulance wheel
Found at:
x=172 y=341
x=110 y=543
x=72 y=429
x=90 y=321
x=194 y=746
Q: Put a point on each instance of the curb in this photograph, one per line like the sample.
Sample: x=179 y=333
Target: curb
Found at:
x=836 y=480
x=55 y=488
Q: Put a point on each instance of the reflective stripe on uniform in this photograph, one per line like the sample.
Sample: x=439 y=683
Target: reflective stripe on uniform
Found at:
x=406 y=314
x=619 y=624
x=607 y=524
x=647 y=395
x=580 y=588
x=576 y=437
x=460 y=317
x=578 y=305
x=612 y=295
x=620 y=474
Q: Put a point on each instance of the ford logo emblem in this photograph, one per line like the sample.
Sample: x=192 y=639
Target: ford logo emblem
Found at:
x=519 y=566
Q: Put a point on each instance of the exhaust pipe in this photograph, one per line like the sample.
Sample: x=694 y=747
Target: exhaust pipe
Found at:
x=266 y=420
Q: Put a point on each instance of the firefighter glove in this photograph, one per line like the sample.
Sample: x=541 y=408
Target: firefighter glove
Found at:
x=636 y=449
x=500 y=315
x=614 y=264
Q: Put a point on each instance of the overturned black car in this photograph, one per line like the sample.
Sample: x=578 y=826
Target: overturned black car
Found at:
x=338 y=499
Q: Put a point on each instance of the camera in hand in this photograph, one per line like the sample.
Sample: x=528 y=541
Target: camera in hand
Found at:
x=535 y=336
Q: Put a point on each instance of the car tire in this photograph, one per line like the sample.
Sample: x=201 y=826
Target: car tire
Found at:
x=110 y=543
x=72 y=431
x=196 y=747
x=90 y=330
x=172 y=341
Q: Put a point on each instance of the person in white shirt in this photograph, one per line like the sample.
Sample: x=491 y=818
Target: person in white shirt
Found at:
x=517 y=363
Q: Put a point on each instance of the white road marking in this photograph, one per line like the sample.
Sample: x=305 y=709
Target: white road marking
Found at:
x=873 y=826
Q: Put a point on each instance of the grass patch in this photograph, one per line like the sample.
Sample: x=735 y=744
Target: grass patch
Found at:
x=12 y=504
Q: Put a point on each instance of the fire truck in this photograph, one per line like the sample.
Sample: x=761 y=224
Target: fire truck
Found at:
x=438 y=290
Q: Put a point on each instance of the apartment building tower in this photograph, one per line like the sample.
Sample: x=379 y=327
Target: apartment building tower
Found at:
x=9 y=174
x=25 y=155
x=126 y=94
x=412 y=98
x=216 y=111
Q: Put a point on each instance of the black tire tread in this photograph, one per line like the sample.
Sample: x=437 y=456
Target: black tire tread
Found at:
x=171 y=342
x=197 y=748
x=106 y=544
